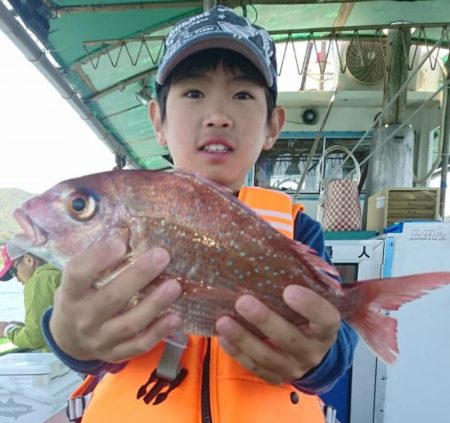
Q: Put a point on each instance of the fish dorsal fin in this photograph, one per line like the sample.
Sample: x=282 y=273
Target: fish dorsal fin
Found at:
x=220 y=190
x=202 y=179
x=328 y=273
x=325 y=272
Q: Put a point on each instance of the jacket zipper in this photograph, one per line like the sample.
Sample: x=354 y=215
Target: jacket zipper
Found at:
x=205 y=390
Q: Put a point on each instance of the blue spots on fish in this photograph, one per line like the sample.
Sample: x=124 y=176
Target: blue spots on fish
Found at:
x=266 y=283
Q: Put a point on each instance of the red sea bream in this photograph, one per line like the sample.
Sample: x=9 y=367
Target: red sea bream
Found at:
x=219 y=249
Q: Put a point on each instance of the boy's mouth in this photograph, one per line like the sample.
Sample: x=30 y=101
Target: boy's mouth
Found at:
x=216 y=148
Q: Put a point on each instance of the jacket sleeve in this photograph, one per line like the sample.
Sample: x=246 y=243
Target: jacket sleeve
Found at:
x=38 y=295
x=92 y=367
x=340 y=356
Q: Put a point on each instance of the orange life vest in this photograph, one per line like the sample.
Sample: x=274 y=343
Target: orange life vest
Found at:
x=230 y=392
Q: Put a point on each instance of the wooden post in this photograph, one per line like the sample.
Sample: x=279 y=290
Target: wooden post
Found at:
x=397 y=57
x=208 y=4
x=384 y=170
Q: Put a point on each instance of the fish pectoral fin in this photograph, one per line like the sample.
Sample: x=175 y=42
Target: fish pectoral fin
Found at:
x=109 y=274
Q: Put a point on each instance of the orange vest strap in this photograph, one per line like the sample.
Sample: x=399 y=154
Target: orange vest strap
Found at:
x=275 y=207
x=79 y=399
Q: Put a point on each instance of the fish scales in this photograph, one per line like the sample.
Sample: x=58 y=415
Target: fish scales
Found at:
x=219 y=248
x=219 y=268
x=220 y=260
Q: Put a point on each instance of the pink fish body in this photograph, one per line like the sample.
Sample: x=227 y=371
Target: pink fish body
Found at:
x=219 y=249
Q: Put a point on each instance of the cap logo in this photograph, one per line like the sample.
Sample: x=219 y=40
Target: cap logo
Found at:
x=248 y=32
x=220 y=24
x=227 y=22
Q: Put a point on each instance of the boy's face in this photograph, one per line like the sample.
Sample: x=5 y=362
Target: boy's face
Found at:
x=216 y=125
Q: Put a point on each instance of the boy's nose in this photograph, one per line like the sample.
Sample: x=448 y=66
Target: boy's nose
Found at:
x=218 y=119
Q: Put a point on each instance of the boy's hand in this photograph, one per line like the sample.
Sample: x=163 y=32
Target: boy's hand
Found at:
x=89 y=323
x=291 y=351
x=4 y=324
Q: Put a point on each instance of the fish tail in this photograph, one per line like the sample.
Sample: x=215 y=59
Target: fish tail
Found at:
x=376 y=328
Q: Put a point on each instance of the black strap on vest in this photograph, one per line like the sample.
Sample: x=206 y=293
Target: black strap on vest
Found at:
x=169 y=374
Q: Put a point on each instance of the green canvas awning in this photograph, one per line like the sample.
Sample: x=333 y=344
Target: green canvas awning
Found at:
x=107 y=52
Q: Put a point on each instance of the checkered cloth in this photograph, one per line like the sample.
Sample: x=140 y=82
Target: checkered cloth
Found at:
x=341 y=208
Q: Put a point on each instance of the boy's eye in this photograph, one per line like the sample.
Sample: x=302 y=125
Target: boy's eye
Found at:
x=243 y=95
x=193 y=94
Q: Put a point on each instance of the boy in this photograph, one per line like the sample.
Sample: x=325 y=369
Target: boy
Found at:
x=215 y=110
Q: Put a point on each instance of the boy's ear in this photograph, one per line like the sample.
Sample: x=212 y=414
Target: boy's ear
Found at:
x=276 y=124
x=154 y=113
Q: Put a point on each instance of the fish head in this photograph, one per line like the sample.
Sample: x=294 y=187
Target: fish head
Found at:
x=68 y=218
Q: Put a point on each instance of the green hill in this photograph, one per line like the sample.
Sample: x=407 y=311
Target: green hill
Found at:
x=10 y=199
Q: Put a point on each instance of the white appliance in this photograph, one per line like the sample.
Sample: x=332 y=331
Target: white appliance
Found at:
x=417 y=388
x=354 y=395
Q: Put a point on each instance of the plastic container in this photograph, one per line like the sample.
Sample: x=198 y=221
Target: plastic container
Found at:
x=33 y=387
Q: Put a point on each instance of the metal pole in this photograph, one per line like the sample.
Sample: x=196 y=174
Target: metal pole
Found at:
x=305 y=70
x=314 y=146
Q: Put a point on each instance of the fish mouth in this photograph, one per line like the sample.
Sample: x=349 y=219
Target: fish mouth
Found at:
x=33 y=233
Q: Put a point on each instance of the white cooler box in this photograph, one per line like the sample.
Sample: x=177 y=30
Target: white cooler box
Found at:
x=33 y=387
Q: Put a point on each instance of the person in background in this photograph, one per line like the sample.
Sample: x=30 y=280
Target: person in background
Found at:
x=40 y=280
x=215 y=109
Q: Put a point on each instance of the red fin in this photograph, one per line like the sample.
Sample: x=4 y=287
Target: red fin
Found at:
x=308 y=255
x=378 y=330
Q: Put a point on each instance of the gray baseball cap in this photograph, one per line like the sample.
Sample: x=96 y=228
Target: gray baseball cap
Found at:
x=220 y=27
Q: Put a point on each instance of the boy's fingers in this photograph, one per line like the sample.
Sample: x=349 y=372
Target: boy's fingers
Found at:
x=115 y=295
x=145 y=341
x=80 y=271
x=275 y=327
x=130 y=323
x=322 y=316
x=308 y=344
x=261 y=360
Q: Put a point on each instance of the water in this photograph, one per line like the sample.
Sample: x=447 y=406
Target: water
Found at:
x=11 y=301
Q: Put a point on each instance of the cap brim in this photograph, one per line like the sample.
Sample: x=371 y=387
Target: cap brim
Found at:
x=218 y=40
x=5 y=265
x=9 y=253
x=5 y=273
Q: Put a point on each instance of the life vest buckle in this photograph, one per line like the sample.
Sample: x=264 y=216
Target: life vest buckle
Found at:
x=169 y=373
x=75 y=407
x=161 y=387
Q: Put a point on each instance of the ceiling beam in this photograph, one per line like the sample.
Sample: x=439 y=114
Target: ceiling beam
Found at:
x=120 y=7
x=343 y=14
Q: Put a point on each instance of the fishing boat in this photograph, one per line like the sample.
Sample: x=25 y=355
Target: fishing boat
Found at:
x=365 y=84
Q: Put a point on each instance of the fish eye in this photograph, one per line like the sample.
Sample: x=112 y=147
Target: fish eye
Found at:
x=81 y=205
